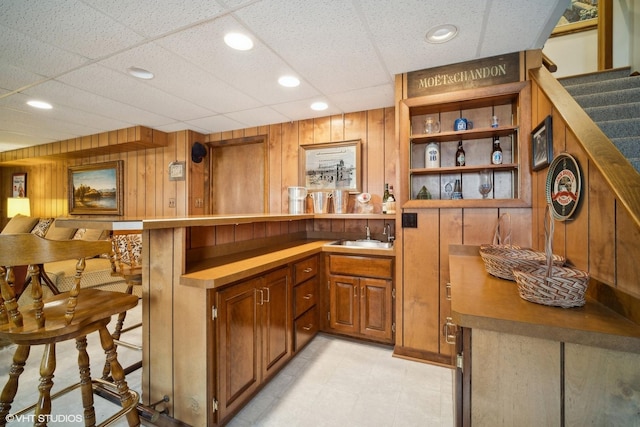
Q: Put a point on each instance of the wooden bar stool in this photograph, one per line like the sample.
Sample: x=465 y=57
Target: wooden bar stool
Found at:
x=126 y=247
x=69 y=315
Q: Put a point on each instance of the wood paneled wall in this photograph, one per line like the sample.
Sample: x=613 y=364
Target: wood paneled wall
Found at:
x=148 y=191
x=601 y=237
x=375 y=128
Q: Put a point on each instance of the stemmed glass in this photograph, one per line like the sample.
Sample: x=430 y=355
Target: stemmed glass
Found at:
x=485 y=185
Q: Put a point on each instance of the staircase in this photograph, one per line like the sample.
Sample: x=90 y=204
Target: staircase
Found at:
x=612 y=100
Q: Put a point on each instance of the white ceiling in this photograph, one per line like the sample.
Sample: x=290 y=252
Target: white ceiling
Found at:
x=74 y=54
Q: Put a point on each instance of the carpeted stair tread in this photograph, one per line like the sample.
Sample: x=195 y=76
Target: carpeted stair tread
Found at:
x=604 y=86
x=629 y=110
x=608 y=98
x=596 y=77
x=620 y=128
x=629 y=146
x=612 y=100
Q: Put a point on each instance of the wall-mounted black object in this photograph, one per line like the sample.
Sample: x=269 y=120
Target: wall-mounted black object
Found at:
x=409 y=220
x=198 y=152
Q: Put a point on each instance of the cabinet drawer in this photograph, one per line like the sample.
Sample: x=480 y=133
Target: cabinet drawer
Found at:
x=305 y=269
x=306 y=328
x=304 y=296
x=361 y=266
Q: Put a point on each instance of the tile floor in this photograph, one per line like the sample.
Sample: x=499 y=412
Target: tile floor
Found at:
x=332 y=382
x=339 y=382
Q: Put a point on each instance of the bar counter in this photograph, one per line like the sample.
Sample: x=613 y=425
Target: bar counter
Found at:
x=479 y=300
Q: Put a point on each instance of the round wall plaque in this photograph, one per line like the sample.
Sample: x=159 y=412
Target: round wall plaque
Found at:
x=564 y=184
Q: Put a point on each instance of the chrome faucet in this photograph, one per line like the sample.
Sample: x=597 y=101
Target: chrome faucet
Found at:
x=368 y=231
x=387 y=232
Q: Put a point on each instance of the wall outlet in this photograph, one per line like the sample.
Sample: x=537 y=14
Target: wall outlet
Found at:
x=172 y=202
x=198 y=202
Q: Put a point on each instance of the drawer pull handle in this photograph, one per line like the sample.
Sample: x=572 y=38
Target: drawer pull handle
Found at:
x=308 y=296
x=308 y=327
x=308 y=270
x=448 y=291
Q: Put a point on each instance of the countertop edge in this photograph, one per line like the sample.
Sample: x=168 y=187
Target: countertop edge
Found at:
x=226 y=274
x=484 y=302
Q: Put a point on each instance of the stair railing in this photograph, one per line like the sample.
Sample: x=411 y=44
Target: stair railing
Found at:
x=621 y=177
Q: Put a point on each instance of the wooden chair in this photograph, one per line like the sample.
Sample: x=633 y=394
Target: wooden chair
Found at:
x=126 y=249
x=69 y=315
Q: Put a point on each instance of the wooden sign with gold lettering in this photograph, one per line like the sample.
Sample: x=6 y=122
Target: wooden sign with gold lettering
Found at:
x=465 y=75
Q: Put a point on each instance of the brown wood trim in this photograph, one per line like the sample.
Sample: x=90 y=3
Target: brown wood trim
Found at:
x=605 y=35
x=424 y=356
x=549 y=64
x=621 y=177
x=125 y=140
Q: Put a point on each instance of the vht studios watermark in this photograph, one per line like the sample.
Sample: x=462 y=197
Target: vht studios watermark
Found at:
x=44 y=418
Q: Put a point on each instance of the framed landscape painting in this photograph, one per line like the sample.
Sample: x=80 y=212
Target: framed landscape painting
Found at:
x=96 y=189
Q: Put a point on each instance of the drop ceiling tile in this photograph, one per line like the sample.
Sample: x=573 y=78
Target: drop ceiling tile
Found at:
x=301 y=110
x=41 y=125
x=62 y=95
x=359 y=100
x=70 y=25
x=181 y=78
x=167 y=16
x=218 y=123
x=35 y=56
x=257 y=117
x=254 y=73
x=18 y=141
x=131 y=91
x=327 y=45
x=13 y=78
x=399 y=30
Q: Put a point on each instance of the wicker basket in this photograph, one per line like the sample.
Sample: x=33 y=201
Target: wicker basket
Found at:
x=549 y=284
x=501 y=259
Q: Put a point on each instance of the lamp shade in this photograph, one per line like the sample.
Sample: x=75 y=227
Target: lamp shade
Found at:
x=18 y=205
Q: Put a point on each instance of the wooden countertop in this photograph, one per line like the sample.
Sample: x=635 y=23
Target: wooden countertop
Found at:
x=479 y=300
x=221 y=271
x=137 y=223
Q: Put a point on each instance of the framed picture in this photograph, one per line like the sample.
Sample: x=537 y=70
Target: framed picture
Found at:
x=330 y=166
x=177 y=171
x=542 y=145
x=19 y=185
x=96 y=189
x=581 y=16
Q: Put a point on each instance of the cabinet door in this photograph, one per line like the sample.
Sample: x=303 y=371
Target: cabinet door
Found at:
x=344 y=304
x=375 y=308
x=274 y=303
x=238 y=345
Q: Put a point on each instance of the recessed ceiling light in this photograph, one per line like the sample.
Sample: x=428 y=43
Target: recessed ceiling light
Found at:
x=238 y=41
x=319 y=106
x=140 y=73
x=40 y=104
x=289 y=81
x=442 y=33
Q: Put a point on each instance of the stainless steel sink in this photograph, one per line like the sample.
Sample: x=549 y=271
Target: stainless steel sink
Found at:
x=365 y=243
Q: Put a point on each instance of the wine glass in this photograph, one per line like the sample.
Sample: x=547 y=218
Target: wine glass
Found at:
x=485 y=183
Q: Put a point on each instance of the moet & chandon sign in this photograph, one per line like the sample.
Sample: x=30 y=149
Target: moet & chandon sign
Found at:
x=465 y=75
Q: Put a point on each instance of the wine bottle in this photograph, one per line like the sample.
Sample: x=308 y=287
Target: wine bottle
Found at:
x=496 y=155
x=385 y=198
x=391 y=201
x=460 y=155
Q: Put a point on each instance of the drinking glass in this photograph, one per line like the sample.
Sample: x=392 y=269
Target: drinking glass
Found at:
x=485 y=185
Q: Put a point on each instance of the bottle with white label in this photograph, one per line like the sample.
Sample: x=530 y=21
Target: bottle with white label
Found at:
x=391 y=201
x=432 y=155
x=496 y=154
